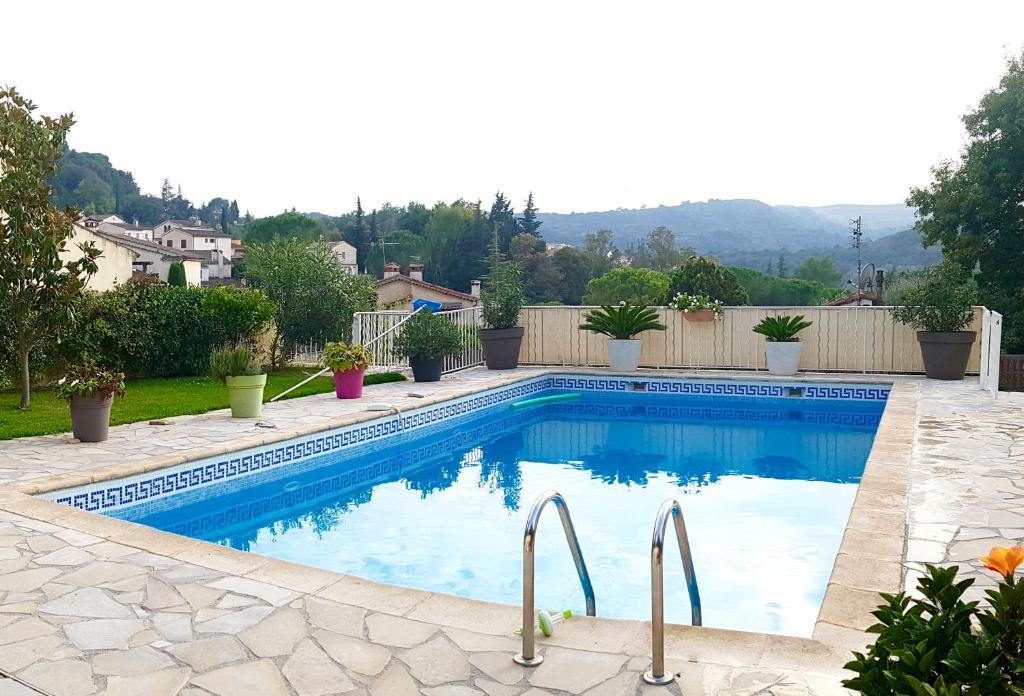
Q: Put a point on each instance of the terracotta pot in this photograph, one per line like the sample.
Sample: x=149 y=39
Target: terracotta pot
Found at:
x=90 y=417
x=945 y=353
x=700 y=315
x=501 y=347
x=349 y=384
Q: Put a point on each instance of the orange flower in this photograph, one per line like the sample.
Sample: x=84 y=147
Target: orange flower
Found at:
x=1004 y=560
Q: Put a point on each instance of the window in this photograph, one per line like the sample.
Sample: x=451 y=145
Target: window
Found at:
x=183 y=244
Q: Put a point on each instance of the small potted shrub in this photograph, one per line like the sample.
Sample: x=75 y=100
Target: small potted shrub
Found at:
x=502 y=299
x=621 y=324
x=91 y=390
x=696 y=307
x=426 y=340
x=782 y=351
x=244 y=377
x=940 y=304
x=348 y=361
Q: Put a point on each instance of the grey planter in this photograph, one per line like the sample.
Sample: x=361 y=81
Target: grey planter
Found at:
x=90 y=417
x=501 y=347
x=426 y=369
x=945 y=353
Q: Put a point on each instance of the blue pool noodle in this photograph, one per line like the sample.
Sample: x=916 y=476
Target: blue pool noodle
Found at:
x=572 y=396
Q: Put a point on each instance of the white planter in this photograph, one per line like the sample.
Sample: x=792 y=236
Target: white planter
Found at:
x=624 y=354
x=783 y=358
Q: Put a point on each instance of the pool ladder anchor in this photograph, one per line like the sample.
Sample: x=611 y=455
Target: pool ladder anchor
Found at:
x=529 y=657
x=669 y=509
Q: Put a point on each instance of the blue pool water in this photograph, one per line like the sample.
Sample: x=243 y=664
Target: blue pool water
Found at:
x=766 y=486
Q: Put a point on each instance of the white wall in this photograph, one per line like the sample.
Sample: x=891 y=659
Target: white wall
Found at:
x=114 y=266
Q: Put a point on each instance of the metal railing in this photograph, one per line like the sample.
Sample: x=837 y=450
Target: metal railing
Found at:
x=377 y=331
x=528 y=656
x=670 y=508
x=991 y=348
x=307 y=353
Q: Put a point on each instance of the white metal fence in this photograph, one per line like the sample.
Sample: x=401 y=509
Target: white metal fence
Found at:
x=367 y=326
x=305 y=354
x=991 y=347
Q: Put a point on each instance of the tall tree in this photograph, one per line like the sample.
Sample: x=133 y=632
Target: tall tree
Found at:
x=528 y=223
x=659 y=251
x=503 y=220
x=455 y=244
x=574 y=270
x=357 y=233
x=600 y=252
x=781 y=269
x=974 y=206
x=820 y=269
x=224 y=216
x=38 y=287
x=234 y=212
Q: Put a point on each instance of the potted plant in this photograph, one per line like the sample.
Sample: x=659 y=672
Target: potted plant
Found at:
x=244 y=377
x=940 y=304
x=426 y=340
x=696 y=307
x=782 y=351
x=501 y=299
x=91 y=390
x=348 y=361
x=620 y=324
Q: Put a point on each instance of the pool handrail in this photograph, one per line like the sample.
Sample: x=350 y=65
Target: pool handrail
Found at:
x=670 y=508
x=528 y=656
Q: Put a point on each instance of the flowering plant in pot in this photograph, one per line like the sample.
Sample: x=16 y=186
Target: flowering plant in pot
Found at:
x=426 y=339
x=243 y=375
x=621 y=324
x=348 y=361
x=90 y=389
x=939 y=302
x=782 y=351
x=696 y=307
x=501 y=299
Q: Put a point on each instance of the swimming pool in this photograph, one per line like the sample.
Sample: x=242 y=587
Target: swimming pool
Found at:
x=436 y=498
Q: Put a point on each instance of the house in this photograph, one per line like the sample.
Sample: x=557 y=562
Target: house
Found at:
x=397 y=291
x=154 y=259
x=114 y=265
x=91 y=221
x=211 y=244
x=863 y=297
x=128 y=229
x=344 y=256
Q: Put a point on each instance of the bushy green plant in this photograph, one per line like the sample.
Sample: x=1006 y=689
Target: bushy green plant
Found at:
x=782 y=329
x=702 y=275
x=239 y=315
x=427 y=335
x=502 y=295
x=339 y=356
x=234 y=361
x=89 y=379
x=939 y=645
x=942 y=299
x=622 y=322
x=638 y=285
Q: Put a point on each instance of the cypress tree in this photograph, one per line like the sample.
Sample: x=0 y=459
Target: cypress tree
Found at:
x=176 y=275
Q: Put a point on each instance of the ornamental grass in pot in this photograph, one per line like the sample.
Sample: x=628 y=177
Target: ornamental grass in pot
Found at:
x=621 y=325
x=782 y=350
x=501 y=299
x=939 y=302
x=90 y=390
x=426 y=339
x=348 y=362
x=244 y=377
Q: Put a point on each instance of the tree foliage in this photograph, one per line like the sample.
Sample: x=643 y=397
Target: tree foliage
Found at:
x=456 y=241
x=286 y=225
x=702 y=275
x=636 y=285
x=766 y=290
x=974 y=206
x=819 y=269
x=176 y=275
x=38 y=287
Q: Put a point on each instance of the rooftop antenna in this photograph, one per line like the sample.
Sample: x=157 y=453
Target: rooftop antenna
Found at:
x=384 y=247
x=856 y=234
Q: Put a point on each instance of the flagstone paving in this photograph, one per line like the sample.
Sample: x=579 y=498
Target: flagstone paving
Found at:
x=91 y=605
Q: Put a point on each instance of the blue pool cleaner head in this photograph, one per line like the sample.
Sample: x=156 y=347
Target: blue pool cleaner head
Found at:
x=432 y=305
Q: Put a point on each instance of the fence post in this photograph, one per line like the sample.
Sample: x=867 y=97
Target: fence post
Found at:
x=357 y=333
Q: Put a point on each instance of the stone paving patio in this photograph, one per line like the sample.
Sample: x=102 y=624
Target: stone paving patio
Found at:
x=93 y=605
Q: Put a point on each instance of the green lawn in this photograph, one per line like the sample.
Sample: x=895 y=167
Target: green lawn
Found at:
x=146 y=399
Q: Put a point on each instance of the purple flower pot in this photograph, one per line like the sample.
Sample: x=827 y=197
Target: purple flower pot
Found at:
x=349 y=384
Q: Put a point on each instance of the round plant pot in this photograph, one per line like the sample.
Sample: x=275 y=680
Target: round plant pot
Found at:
x=945 y=353
x=427 y=369
x=349 y=384
x=245 y=394
x=501 y=347
x=783 y=357
x=700 y=315
x=624 y=354
x=90 y=417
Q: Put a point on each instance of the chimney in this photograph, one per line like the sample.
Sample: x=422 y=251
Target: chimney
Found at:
x=416 y=270
x=391 y=270
x=474 y=289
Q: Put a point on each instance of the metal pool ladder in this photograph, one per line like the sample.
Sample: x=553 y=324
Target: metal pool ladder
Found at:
x=528 y=657
x=670 y=508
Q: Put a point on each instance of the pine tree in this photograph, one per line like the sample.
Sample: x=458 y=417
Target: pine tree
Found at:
x=528 y=223
x=770 y=269
x=167 y=197
x=781 y=269
x=503 y=220
x=358 y=235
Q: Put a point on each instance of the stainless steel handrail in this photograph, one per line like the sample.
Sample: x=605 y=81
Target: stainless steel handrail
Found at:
x=670 y=508
x=327 y=369
x=528 y=657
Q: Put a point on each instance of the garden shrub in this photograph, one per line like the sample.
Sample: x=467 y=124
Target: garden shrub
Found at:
x=702 y=275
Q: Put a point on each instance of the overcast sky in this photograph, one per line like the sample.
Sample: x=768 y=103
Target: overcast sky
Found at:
x=591 y=105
